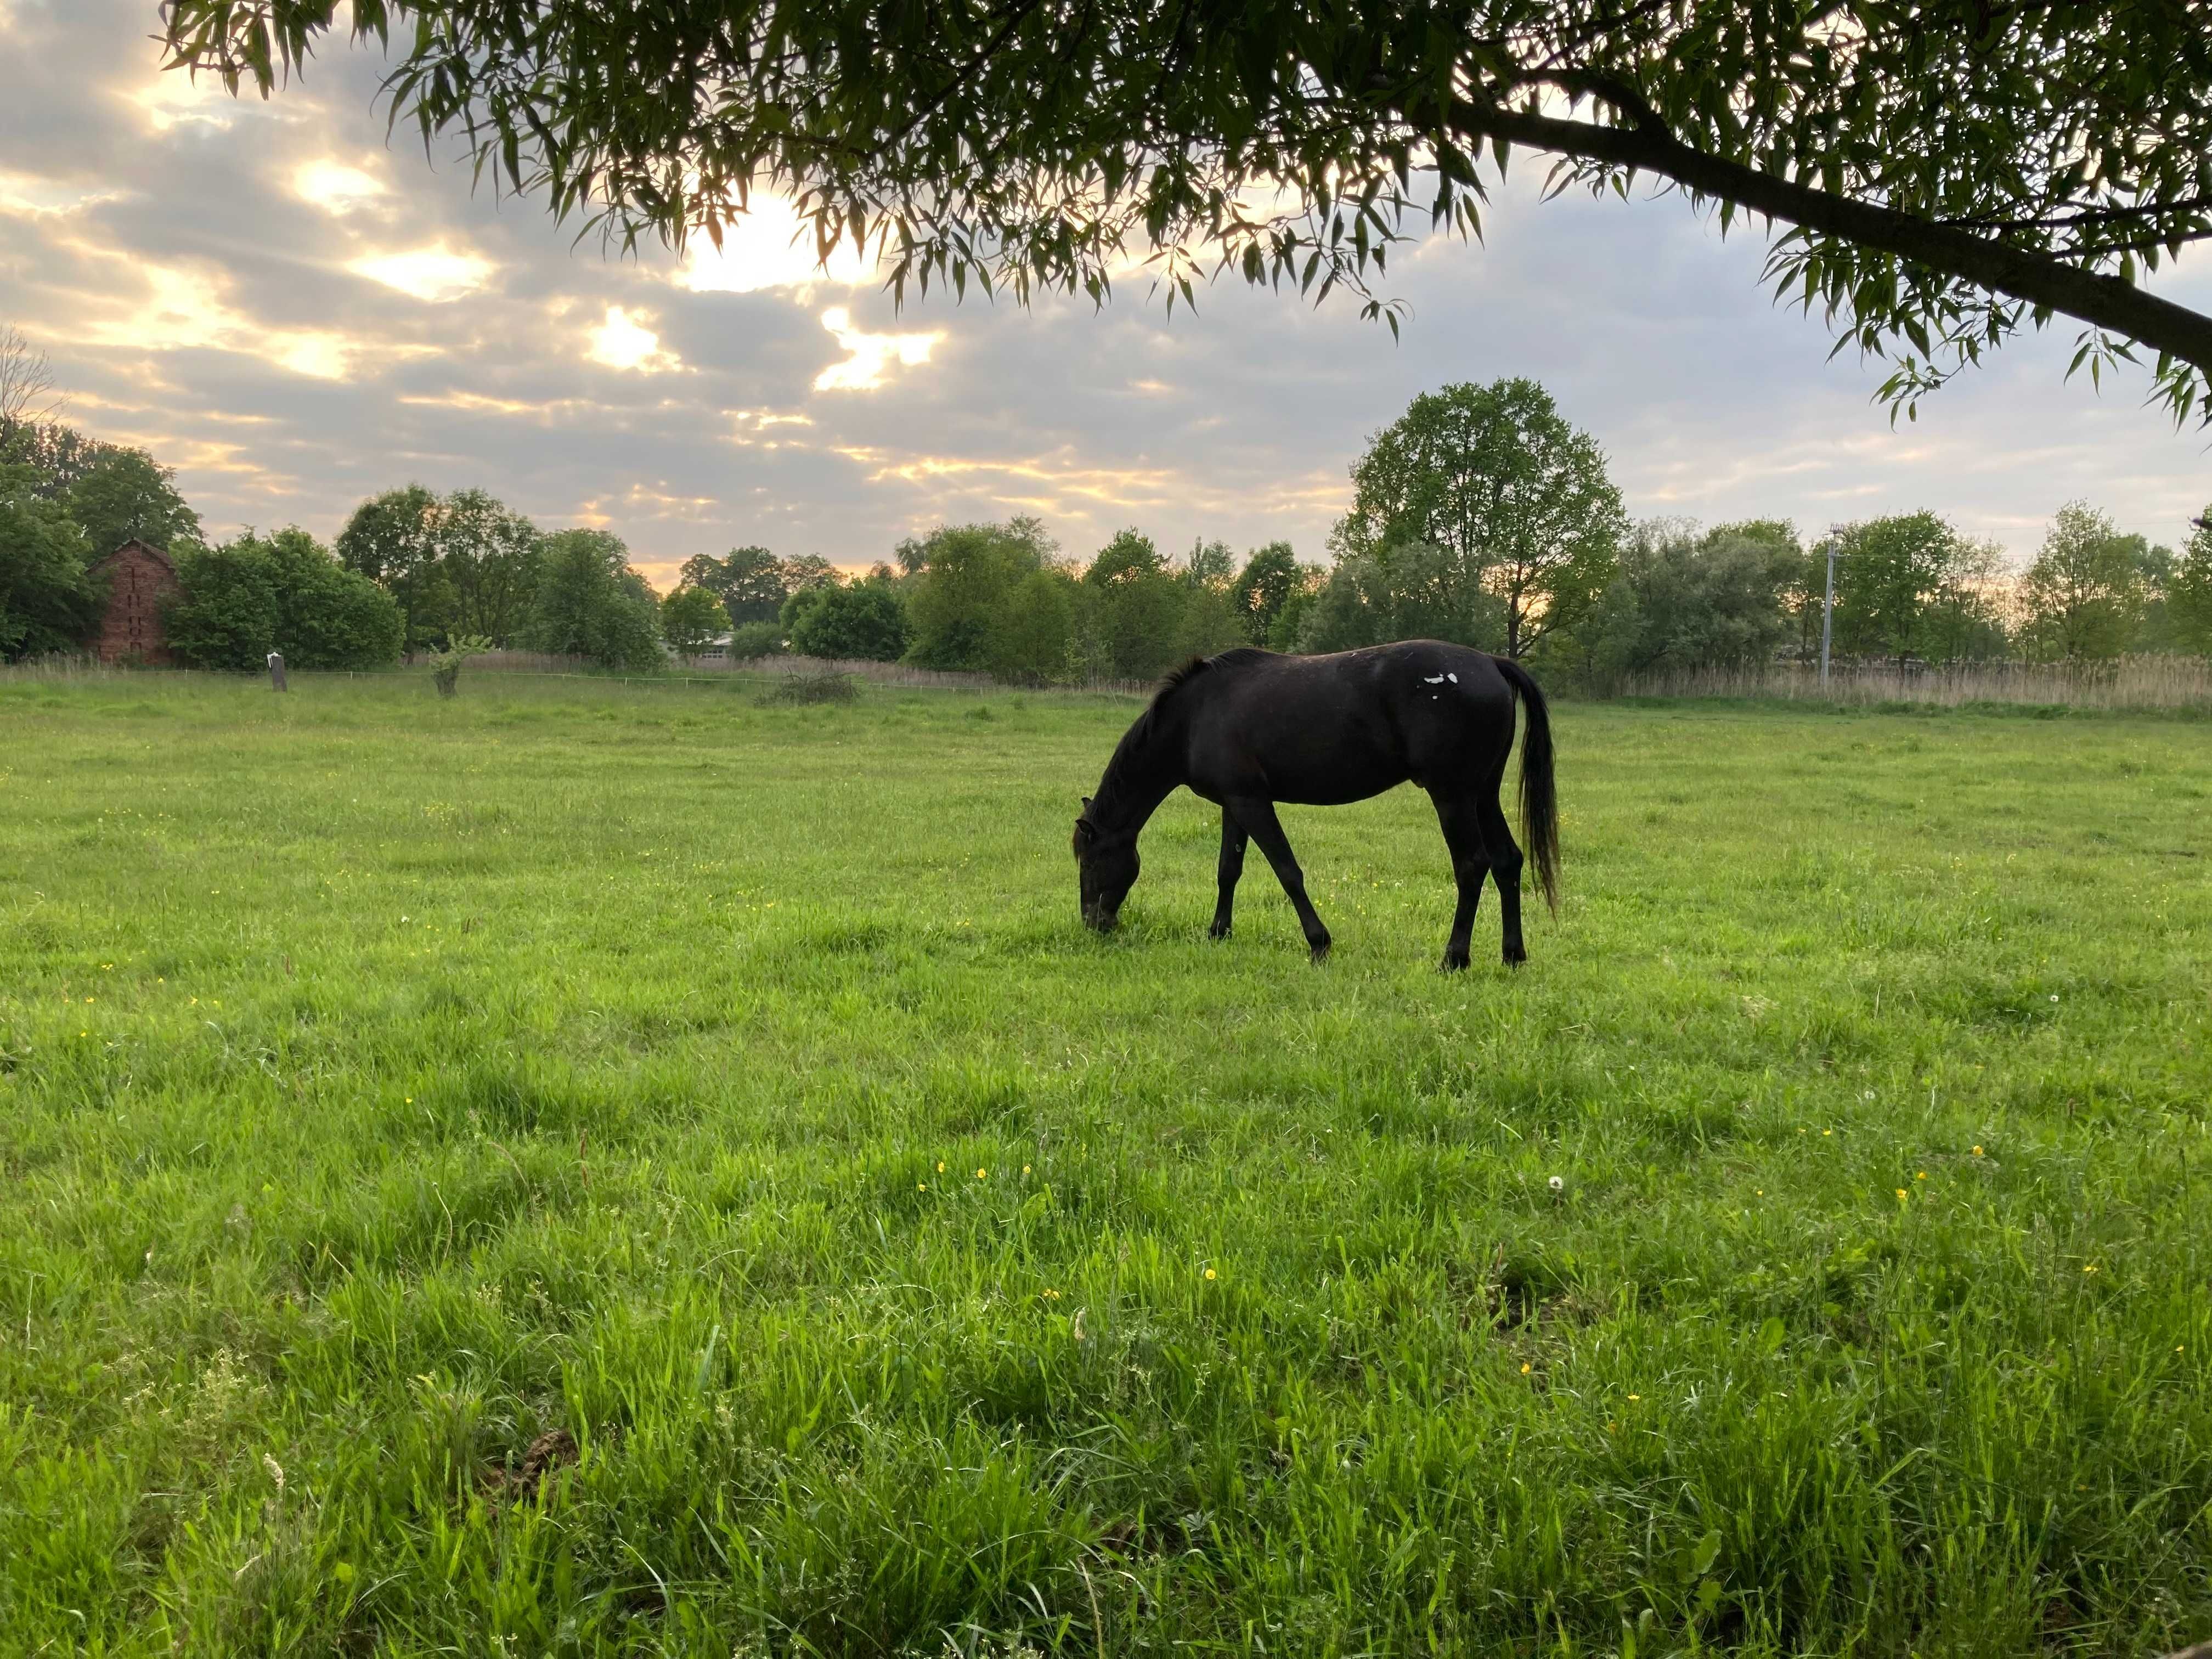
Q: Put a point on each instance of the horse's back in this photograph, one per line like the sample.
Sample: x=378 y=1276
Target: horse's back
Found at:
x=1324 y=730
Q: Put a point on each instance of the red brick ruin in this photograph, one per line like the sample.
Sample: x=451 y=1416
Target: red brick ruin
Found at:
x=139 y=578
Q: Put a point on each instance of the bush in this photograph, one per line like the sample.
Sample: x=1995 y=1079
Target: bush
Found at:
x=756 y=639
x=46 y=601
x=865 y=621
x=812 y=687
x=691 y=619
x=283 y=593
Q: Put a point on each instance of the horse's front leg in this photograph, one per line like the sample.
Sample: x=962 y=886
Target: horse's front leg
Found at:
x=1258 y=819
x=1231 y=866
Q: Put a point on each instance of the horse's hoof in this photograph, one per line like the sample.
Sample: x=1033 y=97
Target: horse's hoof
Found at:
x=1514 y=956
x=1454 y=962
x=1320 y=952
x=1219 y=930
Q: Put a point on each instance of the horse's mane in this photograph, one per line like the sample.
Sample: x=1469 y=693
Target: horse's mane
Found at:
x=1140 y=732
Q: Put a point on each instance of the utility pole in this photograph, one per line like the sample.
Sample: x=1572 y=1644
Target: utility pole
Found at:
x=1828 y=603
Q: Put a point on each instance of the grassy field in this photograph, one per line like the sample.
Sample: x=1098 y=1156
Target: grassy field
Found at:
x=588 y=1169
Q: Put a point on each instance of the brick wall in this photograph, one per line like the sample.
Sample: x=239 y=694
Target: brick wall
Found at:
x=138 y=579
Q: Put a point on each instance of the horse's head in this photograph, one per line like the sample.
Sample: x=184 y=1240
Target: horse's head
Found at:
x=1105 y=869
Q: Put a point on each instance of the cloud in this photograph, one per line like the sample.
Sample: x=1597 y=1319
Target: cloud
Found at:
x=771 y=247
x=436 y=275
x=623 y=342
x=869 y=357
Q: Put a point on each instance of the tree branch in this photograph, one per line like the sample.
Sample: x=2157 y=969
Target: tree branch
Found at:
x=2037 y=279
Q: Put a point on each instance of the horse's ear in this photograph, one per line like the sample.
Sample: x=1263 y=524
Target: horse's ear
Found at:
x=1085 y=830
x=1086 y=803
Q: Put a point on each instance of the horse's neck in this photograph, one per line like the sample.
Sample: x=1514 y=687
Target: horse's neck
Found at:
x=1139 y=778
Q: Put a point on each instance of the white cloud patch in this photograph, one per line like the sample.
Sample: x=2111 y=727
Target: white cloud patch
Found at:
x=868 y=357
x=769 y=247
x=338 y=188
x=623 y=342
x=435 y=275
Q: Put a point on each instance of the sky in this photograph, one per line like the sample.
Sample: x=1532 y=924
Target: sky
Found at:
x=295 y=313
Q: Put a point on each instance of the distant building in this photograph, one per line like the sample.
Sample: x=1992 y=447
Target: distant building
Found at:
x=139 y=579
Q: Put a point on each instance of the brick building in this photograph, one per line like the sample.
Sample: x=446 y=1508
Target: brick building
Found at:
x=139 y=578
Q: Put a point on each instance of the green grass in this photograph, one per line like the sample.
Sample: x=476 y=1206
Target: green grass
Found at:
x=386 y=1084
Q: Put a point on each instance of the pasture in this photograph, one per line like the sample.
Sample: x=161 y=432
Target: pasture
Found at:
x=594 y=1169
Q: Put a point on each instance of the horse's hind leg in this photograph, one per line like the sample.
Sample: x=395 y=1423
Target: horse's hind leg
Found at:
x=1231 y=866
x=1504 y=869
x=1259 y=820
x=1462 y=826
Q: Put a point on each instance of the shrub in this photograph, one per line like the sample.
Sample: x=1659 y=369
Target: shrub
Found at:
x=864 y=621
x=284 y=592
x=756 y=639
x=830 y=687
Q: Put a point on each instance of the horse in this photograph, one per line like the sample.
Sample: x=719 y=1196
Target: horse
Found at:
x=1247 y=728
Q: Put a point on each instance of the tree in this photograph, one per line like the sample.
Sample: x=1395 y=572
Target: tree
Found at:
x=1890 y=573
x=1031 y=639
x=1263 y=587
x=1209 y=564
x=47 y=603
x=256 y=594
x=57 y=455
x=1133 y=610
x=28 y=397
x=393 y=539
x=1494 y=478
x=2084 y=596
x=751 y=582
x=964 y=576
x=1947 y=170
x=691 y=619
x=487 y=562
x=2189 y=590
x=591 y=604
x=1684 y=601
x=1412 y=590
x=123 y=493
x=864 y=621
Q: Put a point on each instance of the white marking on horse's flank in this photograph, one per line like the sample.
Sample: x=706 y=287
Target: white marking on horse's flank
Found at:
x=1434 y=679
x=1454 y=678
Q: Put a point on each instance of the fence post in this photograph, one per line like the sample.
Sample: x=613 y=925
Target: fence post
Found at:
x=276 y=672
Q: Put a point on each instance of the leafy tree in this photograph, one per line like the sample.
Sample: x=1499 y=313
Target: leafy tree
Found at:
x=47 y=603
x=57 y=455
x=806 y=570
x=1209 y=564
x=691 y=619
x=393 y=539
x=1494 y=478
x=964 y=576
x=1263 y=587
x=487 y=559
x=284 y=592
x=2085 y=594
x=123 y=493
x=863 y=621
x=1414 y=590
x=224 y=614
x=1890 y=574
x=751 y=582
x=1948 y=170
x=2189 y=590
x=1134 y=610
x=1684 y=601
x=591 y=604
x=1031 y=639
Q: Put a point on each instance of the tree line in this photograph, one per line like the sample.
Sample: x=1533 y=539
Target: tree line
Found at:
x=1480 y=516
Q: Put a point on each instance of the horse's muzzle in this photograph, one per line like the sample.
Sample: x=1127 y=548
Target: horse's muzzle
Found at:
x=1100 y=920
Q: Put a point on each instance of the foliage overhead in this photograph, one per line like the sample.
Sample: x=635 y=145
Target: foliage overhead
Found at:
x=1942 y=173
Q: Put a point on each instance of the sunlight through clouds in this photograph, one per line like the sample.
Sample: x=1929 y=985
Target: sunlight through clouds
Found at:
x=769 y=247
x=337 y=188
x=434 y=274
x=869 y=355
x=623 y=342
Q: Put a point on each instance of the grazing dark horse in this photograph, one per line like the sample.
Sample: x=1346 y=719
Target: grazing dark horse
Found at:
x=1247 y=729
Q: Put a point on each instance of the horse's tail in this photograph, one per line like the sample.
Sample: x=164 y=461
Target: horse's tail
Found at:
x=1539 y=805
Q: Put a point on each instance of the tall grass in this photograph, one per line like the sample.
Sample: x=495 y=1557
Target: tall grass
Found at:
x=592 y=1168
x=2147 y=682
